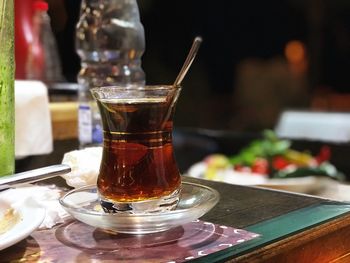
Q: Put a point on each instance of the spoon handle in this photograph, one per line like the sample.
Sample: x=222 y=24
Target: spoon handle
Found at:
x=33 y=175
x=189 y=59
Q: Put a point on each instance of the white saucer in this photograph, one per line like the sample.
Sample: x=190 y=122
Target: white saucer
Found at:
x=195 y=201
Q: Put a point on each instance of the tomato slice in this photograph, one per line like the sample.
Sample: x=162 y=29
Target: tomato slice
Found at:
x=279 y=162
x=260 y=166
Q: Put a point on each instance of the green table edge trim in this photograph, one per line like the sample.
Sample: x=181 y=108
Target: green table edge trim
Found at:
x=288 y=224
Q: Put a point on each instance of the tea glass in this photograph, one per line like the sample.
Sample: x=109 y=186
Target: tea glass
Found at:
x=138 y=172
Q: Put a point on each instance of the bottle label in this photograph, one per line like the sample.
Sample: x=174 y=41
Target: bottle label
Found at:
x=85 y=124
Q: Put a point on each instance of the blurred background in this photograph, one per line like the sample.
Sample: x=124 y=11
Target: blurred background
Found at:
x=257 y=59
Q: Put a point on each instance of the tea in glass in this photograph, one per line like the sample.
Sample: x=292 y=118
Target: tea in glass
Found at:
x=138 y=172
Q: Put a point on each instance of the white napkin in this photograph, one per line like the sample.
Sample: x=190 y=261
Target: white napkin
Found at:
x=85 y=165
x=33 y=134
x=43 y=196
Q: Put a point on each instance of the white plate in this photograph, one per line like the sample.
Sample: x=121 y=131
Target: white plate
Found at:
x=195 y=201
x=307 y=185
x=30 y=216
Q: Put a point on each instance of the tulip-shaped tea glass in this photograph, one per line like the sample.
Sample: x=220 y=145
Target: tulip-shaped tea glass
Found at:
x=138 y=172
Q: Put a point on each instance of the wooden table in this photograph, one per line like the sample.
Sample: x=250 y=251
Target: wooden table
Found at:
x=293 y=228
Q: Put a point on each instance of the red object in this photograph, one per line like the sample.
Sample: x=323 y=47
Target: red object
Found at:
x=241 y=168
x=237 y=167
x=279 y=162
x=41 y=5
x=27 y=44
x=324 y=154
x=23 y=34
x=260 y=166
x=35 y=63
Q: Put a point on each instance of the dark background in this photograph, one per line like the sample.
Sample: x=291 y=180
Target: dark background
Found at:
x=241 y=79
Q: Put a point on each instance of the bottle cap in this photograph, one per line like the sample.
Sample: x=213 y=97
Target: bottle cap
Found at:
x=41 y=5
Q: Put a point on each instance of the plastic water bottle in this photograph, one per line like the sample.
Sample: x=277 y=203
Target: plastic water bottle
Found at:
x=110 y=42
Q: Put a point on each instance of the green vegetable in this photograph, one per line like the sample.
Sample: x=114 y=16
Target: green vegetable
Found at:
x=266 y=148
x=325 y=169
x=271 y=146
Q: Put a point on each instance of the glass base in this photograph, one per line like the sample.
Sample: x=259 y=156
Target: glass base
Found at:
x=84 y=205
x=162 y=204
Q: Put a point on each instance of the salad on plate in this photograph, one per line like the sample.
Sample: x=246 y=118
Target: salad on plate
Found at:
x=268 y=161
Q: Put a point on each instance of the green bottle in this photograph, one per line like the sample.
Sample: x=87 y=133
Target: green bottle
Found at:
x=7 y=103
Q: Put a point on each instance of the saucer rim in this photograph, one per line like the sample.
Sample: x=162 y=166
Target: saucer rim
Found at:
x=215 y=197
